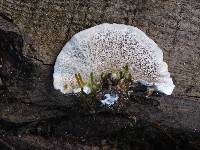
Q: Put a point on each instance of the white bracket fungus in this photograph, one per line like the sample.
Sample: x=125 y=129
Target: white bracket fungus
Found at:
x=111 y=46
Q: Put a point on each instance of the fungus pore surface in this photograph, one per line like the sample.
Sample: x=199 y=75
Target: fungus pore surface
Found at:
x=107 y=47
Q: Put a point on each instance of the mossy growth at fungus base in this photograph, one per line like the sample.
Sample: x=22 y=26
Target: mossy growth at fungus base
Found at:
x=117 y=84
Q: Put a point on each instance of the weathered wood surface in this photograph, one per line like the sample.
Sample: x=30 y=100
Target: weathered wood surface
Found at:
x=174 y=24
x=35 y=116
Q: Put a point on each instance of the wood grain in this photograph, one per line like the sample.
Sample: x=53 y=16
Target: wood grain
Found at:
x=173 y=24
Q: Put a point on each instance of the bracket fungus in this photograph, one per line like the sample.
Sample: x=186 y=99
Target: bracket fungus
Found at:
x=107 y=47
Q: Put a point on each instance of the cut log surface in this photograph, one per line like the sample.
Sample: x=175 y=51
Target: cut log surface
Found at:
x=35 y=116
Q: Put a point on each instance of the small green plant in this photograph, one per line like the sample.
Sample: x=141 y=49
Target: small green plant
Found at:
x=94 y=87
x=121 y=77
x=79 y=80
x=119 y=80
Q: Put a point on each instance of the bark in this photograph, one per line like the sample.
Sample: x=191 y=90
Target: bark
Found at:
x=35 y=116
x=173 y=24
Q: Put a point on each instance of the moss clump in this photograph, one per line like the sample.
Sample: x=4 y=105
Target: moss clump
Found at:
x=115 y=82
x=120 y=78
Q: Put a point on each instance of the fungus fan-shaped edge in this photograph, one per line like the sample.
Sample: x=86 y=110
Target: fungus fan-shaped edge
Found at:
x=164 y=84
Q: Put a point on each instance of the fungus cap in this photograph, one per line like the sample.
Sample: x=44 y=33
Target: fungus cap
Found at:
x=105 y=47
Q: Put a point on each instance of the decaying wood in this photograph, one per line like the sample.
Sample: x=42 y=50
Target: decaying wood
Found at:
x=173 y=24
x=35 y=116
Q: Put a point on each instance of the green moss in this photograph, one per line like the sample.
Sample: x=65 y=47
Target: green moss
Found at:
x=119 y=80
x=79 y=80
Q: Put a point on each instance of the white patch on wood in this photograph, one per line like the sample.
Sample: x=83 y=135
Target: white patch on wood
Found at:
x=111 y=46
